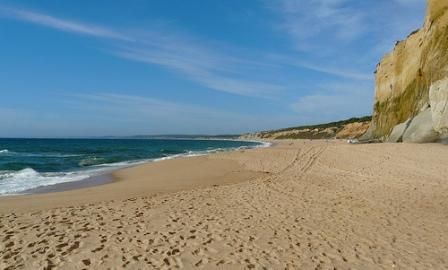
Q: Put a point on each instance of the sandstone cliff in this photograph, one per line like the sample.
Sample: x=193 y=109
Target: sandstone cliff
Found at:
x=346 y=129
x=411 y=93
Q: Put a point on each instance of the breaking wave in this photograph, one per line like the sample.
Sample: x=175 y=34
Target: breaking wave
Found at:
x=29 y=175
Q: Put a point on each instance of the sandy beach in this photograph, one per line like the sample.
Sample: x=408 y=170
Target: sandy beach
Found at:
x=296 y=205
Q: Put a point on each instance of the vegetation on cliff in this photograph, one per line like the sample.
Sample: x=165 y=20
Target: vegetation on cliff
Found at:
x=350 y=128
x=404 y=77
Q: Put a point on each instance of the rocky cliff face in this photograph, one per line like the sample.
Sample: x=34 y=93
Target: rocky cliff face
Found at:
x=411 y=95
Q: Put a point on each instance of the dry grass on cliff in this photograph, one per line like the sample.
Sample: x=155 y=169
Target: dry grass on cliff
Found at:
x=350 y=128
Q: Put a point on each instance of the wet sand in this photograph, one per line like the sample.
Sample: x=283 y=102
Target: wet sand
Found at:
x=297 y=205
x=89 y=182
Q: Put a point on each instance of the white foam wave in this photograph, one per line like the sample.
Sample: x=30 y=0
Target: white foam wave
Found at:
x=90 y=161
x=18 y=182
x=13 y=182
x=121 y=164
x=261 y=144
x=4 y=151
x=188 y=154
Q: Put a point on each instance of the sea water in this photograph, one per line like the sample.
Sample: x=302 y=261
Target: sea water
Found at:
x=26 y=164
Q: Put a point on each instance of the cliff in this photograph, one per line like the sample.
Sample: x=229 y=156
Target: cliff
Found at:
x=411 y=92
x=347 y=129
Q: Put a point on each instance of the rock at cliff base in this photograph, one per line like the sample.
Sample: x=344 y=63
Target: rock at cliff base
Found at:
x=397 y=133
x=368 y=135
x=438 y=97
x=420 y=130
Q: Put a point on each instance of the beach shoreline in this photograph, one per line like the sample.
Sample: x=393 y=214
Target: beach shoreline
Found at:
x=104 y=173
x=299 y=204
x=53 y=195
x=98 y=180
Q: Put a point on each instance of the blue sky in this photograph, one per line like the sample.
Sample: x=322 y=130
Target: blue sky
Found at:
x=92 y=68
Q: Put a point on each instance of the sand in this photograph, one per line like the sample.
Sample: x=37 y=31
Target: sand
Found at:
x=297 y=205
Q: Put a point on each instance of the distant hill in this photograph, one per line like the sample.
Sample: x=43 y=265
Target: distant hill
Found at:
x=350 y=128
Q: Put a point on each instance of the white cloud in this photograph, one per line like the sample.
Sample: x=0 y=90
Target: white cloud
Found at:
x=192 y=59
x=210 y=69
x=335 y=101
x=308 y=21
x=340 y=72
x=342 y=38
x=347 y=29
x=142 y=115
x=63 y=24
x=329 y=31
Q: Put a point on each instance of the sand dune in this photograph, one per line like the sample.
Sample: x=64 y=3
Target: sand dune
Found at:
x=297 y=205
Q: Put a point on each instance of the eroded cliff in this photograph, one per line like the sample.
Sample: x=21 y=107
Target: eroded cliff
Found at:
x=351 y=128
x=412 y=81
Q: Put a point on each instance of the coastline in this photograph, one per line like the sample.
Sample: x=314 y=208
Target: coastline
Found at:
x=298 y=204
x=114 y=184
x=93 y=181
x=106 y=176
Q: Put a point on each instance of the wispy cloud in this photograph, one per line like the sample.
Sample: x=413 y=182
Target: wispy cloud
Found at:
x=62 y=24
x=146 y=115
x=333 y=101
x=341 y=72
x=335 y=71
x=206 y=67
x=343 y=39
x=142 y=105
x=307 y=22
x=338 y=26
x=329 y=37
x=193 y=60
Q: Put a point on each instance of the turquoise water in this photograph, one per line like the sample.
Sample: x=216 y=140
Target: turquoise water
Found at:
x=30 y=163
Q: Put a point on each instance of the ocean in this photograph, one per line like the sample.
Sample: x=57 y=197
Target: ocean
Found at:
x=26 y=164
